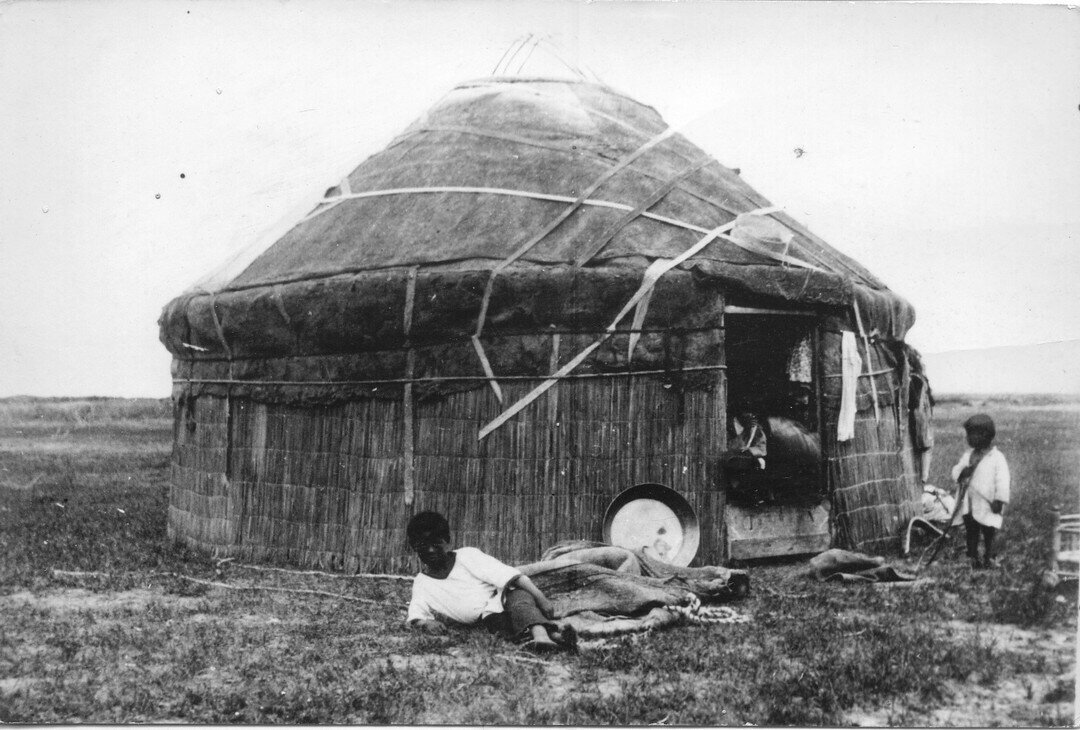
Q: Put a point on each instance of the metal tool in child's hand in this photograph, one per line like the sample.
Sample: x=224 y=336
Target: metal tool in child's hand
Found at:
x=934 y=548
x=931 y=552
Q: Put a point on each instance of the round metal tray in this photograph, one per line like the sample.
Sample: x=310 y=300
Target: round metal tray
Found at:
x=655 y=519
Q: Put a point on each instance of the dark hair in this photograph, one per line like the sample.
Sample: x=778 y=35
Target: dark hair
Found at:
x=428 y=522
x=748 y=419
x=981 y=423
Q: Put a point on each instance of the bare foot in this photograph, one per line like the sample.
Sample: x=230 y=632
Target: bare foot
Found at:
x=566 y=637
x=540 y=633
x=541 y=640
x=540 y=646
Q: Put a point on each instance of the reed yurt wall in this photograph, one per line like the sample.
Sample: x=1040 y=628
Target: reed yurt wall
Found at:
x=872 y=478
x=324 y=486
x=327 y=474
x=199 y=511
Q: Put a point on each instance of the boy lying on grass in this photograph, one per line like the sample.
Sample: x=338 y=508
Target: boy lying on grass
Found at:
x=467 y=586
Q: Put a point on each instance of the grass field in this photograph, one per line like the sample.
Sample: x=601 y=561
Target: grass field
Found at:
x=100 y=624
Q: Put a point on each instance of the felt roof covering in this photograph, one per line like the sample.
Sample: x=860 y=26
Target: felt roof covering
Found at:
x=536 y=178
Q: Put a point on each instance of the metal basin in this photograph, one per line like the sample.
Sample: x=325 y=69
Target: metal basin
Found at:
x=655 y=519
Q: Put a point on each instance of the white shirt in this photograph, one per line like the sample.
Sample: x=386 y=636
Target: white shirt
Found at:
x=471 y=591
x=989 y=482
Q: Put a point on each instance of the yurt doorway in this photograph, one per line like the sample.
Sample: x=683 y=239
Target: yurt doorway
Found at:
x=773 y=471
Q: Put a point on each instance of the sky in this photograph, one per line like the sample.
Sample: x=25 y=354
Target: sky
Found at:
x=146 y=143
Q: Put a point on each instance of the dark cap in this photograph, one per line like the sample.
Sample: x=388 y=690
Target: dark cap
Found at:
x=981 y=423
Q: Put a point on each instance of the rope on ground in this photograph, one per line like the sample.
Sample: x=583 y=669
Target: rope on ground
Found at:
x=699 y=614
x=79 y=574
x=216 y=584
x=524 y=659
x=779 y=594
x=302 y=591
x=313 y=572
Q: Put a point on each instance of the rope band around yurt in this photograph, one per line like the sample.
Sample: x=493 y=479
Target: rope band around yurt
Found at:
x=550 y=198
x=441 y=379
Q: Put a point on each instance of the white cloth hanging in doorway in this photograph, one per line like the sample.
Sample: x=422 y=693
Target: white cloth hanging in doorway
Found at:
x=850 y=367
x=800 y=364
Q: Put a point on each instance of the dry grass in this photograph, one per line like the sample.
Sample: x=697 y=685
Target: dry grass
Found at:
x=136 y=645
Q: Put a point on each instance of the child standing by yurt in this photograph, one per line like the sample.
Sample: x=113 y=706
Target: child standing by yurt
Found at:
x=983 y=476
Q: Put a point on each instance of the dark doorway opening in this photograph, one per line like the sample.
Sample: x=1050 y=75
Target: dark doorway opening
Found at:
x=773 y=408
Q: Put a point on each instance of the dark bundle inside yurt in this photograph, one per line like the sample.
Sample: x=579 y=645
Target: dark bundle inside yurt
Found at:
x=535 y=297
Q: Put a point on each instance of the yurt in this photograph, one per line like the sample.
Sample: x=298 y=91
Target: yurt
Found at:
x=535 y=297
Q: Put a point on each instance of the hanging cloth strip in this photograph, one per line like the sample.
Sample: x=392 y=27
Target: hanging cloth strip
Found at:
x=652 y=274
x=800 y=364
x=850 y=365
x=869 y=359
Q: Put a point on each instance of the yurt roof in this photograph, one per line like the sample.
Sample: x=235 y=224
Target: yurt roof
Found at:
x=521 y=175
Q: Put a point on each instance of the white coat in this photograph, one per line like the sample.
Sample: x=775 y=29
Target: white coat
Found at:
x=990 y=482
